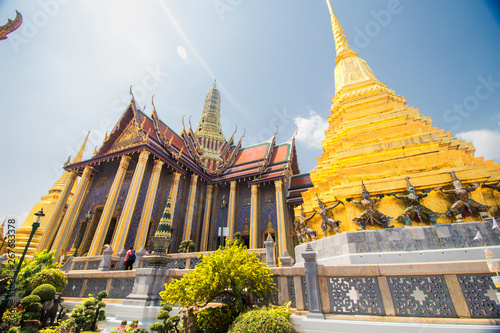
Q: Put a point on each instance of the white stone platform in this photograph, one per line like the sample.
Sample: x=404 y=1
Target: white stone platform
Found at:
x=439 y=243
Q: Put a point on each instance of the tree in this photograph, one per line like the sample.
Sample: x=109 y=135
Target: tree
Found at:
x=187 y=246
x=231 y=271
x=52 y=276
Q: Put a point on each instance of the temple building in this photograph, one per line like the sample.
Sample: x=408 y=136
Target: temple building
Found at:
x=375 y=140
x=126 y=183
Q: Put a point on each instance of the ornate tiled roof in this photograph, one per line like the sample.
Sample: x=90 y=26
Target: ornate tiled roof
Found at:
x=135 y=131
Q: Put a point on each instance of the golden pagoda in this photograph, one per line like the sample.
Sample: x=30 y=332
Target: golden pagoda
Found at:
x=374 y=137
x=54 y=206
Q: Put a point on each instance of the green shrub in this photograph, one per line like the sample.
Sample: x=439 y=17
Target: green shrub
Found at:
x=167 y=324
x=41 y=261
x=32 y=307
x=216 y=320
x=52 y=276
x=262 y=321
x=13 y=330
x=84 y=315
x=46 y=292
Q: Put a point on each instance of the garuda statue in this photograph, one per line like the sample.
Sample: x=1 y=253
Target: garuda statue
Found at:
x=370 y=215
x=464 y=205
x=415 y=211
x=302 y=229
x=327 y=221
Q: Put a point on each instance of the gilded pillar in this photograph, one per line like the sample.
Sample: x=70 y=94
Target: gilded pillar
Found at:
x=254 y=217
x=231 y=221
x=120 y=235
x=143 y=227
x=109 y=207
x=206 y=219
x=188 y=225
x=55 y=219
x=70 y=218
x=280 y=214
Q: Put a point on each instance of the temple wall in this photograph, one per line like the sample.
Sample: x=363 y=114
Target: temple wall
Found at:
x=267 y=208
x=244 y=194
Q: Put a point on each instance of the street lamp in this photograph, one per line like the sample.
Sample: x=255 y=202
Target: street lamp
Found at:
x=82 y=231
x=36 y=223
x=223 y=205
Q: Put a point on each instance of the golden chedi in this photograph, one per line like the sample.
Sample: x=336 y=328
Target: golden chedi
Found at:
x=374 y=137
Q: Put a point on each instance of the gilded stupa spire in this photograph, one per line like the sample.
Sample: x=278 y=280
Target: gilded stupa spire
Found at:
x=342 y=46
x=59 y=185
x=350 y=70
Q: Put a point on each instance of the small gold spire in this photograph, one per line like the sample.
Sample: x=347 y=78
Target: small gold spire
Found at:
x=79 y=155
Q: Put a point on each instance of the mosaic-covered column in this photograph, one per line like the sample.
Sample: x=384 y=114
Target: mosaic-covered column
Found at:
x=143 y=227
x=67 y=225
x=206 y=219
x=55 y=218
x=107 y=213
x=188 y=226
x=120 y=236
x=231 y=221
x=254 y=217
x=280 y=214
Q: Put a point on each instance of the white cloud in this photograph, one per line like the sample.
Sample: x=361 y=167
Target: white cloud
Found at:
x=485 y=141
x=311 y=129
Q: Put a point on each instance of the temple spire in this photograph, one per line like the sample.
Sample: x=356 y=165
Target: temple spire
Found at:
x=209 y=130
x=342 y=46
x=351 y=71
x=79 y=155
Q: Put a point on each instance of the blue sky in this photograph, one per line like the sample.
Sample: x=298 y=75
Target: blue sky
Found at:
x=68 y=69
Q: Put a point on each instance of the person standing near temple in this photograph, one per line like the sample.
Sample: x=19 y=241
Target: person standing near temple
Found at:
x=129 y=258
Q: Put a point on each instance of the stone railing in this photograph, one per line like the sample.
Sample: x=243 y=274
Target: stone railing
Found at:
x=449 y=292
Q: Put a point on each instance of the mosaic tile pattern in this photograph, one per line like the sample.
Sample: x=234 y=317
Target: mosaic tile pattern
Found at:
x=73 y=288
x=121 y=288
x=274 y=293
x=95 y=286
x=177 y=264
x=304 y=292
x=421 y=296
x=480 y=295
x=243 y=211
x=291 y=292
x=78 y=266
x=355 y=295
x=194 y=262
x=136 y=217
x=93 y=265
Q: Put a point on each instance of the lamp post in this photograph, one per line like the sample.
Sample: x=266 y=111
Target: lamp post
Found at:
x=36 y=223
x=82 y=231
x=223 y=205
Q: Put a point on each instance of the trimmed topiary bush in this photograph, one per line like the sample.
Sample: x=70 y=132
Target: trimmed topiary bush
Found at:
x=46 y=292
x=32 y=307
x=262 y=321
x=52 y=276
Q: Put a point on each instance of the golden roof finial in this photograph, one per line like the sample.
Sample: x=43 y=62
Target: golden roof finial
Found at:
x=341 y=44
x=79 y=155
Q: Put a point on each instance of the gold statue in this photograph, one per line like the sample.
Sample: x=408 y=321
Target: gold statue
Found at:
x=325 y=220
x=370 y=215
x=10 y=26
x=464 y=205
x=415 y=211
x=302 y=229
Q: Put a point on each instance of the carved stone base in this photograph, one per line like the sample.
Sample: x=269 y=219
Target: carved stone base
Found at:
x=433 y=243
